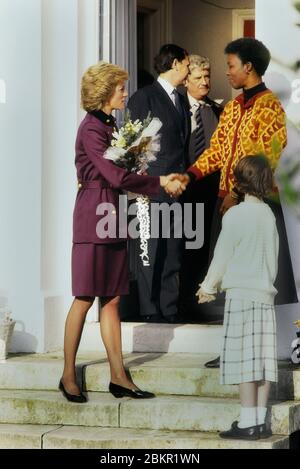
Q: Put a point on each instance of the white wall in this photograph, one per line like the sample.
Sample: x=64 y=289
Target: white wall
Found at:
x=204 y=29
x=45 y=45
x=59 y=125
x=277 y=29
x=70 y=46
x=20 y=158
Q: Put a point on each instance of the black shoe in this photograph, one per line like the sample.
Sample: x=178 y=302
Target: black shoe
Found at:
x=79 y=398
x=119 y=391
x=264 y=432
x=213 y=363
x=249 y=433
x=154 y=318
x=173 y=319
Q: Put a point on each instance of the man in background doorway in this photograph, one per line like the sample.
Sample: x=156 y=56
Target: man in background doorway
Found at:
x=157 y=285
x=204 y=115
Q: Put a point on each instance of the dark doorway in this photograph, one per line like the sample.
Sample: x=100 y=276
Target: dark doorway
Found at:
x=144 y=74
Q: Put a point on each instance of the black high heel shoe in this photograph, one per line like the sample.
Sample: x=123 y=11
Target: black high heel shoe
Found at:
x=119 y=391
x=79 y=398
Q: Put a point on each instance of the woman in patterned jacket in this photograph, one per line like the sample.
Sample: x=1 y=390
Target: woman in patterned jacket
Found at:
x=252 y=123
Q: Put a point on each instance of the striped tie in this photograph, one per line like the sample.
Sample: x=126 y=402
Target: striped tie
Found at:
x=200 y=143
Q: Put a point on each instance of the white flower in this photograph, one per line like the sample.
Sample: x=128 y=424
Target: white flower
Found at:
x=153 y=128
x=120 y=142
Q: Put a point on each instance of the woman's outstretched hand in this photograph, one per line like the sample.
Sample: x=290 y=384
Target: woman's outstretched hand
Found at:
x=174 y=184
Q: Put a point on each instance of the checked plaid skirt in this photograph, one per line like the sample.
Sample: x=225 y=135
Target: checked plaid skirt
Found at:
x=249 y=349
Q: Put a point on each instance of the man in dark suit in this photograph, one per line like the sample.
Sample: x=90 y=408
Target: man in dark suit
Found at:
x=204 y=115
x=157 y=284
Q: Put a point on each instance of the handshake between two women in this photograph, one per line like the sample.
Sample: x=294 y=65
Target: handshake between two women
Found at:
x=174 y=184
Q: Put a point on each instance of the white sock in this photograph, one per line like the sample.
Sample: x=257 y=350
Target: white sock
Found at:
x=261 y=415
x=247 y=417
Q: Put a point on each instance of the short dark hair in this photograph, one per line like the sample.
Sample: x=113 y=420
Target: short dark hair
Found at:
x=253 y=175
x=167 y=54
x=251 y=50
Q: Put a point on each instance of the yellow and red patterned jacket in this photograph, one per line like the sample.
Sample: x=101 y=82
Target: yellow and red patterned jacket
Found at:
x=256 y=127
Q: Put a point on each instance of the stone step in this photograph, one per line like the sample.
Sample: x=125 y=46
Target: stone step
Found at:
x=161 y=338
x=162 y=413
x=164 y=373
x=76 y=437
x=23 y=436
x=185 y=338
x=120 y=438
x=38 y=371
x=185 y=374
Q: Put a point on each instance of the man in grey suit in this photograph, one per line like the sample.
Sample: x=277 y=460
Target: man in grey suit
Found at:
x=157 y=284
x=204 y=114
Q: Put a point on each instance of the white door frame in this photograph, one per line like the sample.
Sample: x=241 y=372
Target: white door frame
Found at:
x=239 y=16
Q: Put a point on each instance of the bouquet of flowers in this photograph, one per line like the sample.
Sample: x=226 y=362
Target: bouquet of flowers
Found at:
x=135 y=144
x=133 y=147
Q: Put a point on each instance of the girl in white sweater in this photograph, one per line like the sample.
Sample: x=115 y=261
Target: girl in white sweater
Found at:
x=245 y=267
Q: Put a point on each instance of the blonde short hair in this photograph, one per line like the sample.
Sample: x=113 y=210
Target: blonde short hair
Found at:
x=197 y=61
x=98 y=85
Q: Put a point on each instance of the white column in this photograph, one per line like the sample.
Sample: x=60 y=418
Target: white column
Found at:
x=277 y=28
x=88 y=54
x=70 y=46
x=60 y=103
x=21 y=166
x=45 y=45
x=88 y=37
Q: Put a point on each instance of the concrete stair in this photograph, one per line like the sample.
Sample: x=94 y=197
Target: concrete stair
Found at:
x=163 y=338
x=78 y=437
x=161 y=373
x=163 y=413
x=189 y=410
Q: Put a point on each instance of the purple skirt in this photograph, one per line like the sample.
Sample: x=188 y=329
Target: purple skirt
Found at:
x=100 y=269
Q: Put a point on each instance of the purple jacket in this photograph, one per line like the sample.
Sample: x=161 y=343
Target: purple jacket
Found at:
x=93 y=138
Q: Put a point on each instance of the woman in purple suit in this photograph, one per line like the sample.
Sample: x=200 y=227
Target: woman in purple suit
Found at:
x=99 y=262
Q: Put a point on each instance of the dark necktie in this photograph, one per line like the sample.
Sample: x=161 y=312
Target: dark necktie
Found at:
x=178 y=103
x=200 y=143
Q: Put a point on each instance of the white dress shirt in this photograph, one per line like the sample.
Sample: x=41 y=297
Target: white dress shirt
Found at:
x=168 y=88
x=194 y=103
